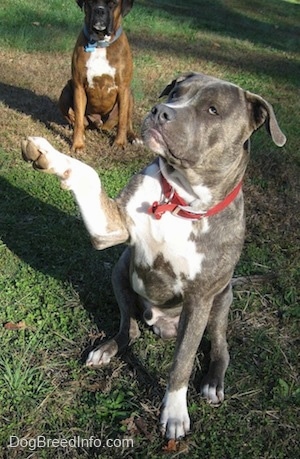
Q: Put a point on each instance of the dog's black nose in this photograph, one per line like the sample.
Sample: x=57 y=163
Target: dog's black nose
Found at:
x=162 y=113
x=100 y=10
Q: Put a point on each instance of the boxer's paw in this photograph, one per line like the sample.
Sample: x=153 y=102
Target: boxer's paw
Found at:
x=44 y=157
x=102 y=354
x=133 y=139
x=137 y=141
x=175 y=420
x=119 y=143
x=77 y=147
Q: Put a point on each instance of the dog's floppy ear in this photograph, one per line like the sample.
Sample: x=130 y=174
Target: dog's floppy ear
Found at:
x=168 y=89
x=80 y=3
x=126 y=7
x=261 y=112
x=171 y=85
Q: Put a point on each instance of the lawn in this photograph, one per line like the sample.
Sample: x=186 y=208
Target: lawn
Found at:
x=55 y=292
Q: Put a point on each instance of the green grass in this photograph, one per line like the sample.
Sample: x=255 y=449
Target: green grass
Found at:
x=31 y=26
x=59 y=286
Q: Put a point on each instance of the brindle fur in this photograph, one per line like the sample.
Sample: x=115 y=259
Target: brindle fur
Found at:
x=176 y=270
x=108 y=102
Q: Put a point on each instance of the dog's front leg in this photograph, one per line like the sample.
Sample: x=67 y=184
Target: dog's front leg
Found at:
x=128 y=304
x=123 y=101
x=80 y=101
x=175 y=421
x=100 y=213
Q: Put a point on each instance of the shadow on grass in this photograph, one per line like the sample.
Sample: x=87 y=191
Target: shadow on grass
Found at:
x=272 y=23
x=39 y=107
x=260 y=63
x=57 y=245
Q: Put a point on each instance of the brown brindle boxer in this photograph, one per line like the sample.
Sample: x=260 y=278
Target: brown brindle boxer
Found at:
x=99 y=92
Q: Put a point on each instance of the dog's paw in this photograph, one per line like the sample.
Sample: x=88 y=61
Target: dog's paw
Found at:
x=77 y=148
x=44 y=157
x=119 y=143
x=175 y=420
x=212 y=392
x=102 y=354
x=137 y=141
x=34 y=150
x=133 y=139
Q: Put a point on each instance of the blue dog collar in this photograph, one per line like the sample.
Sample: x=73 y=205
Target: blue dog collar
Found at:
x=92 y=45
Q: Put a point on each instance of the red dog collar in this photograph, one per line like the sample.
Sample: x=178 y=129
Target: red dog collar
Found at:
x=173 y=203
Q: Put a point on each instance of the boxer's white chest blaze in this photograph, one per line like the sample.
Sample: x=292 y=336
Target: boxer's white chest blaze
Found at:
x=98 y=65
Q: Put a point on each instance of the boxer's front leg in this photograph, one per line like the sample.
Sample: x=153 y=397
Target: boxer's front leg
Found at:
x=80 y=101
x=123 y=101
x=100 y=214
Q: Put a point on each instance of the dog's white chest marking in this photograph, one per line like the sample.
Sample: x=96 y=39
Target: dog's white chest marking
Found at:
x=98 y=65
x=169 y=237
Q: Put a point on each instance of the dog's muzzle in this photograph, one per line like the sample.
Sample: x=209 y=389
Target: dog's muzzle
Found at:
x=101 y=21
x=162 y=114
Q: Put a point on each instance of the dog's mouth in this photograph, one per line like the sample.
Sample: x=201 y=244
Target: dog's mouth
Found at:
x=156 y=141
x=99 y=32
x=99 y=27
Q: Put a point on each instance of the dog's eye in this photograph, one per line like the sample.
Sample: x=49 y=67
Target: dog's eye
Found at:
x=212 y=110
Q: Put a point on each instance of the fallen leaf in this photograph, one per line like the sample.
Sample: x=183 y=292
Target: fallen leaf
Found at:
x=171 y=446
x=18 y=326
x=176 y=446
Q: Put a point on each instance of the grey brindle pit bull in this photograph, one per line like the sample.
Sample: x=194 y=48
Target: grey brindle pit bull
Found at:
x=182 y=218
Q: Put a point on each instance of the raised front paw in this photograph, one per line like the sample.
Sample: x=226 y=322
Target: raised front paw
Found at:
x=33 y=150
x=102 y=354
x=44 y=157
x=175 y=420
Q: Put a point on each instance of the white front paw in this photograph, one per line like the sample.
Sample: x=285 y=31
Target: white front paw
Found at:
x=102 y=354
x=45 y=157
x=175 y=420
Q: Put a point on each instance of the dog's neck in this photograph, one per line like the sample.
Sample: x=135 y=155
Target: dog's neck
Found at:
x=182 y=186
x=92 y=45
x=181 y=202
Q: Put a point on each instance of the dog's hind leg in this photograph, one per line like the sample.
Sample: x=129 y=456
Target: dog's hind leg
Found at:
x=212 y=385
x=128 y=304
